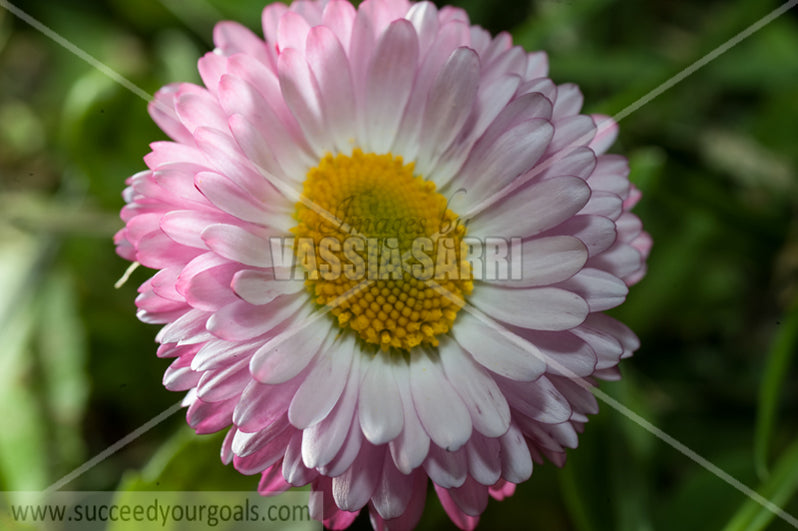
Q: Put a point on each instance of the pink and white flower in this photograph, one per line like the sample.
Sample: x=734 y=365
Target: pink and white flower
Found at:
x=402 y=108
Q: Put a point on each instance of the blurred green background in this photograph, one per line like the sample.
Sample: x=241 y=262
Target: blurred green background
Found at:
x=717 y=314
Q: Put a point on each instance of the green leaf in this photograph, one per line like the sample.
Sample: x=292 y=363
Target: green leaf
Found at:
x=188 y=461
x=779 y=488
x=62 y=355
x=188 y=471
x=782 y=350
x=22 y=439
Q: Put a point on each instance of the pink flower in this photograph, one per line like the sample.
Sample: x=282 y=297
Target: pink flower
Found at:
x=461 y=345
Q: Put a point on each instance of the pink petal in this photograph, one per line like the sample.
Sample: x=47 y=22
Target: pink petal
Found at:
x=339 y=16
x=241 y=320
x=354 y=487
x=272 y=482
x=388 y=84
x=569 y=101
x=162 y=111
x=330 y=66
x=393 y=490
x=471 y=497
x=606 y=133
x=453 y=92
x=246 y=246
x=533 y=209
x=460 y=519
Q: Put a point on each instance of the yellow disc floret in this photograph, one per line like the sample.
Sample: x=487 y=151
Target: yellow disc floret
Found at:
x=381 y=250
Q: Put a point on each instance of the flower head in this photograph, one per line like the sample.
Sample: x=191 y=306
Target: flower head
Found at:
x=384 y=240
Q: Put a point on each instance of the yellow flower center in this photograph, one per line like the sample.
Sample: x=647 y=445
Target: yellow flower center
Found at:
x=381 y=250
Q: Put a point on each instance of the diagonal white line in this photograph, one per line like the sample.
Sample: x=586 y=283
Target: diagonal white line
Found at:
x=284 y=188
x=628 y=413
x=708 y=58
x=93 y=61
x=695 y=457
x=623 y=113
x=118 y=445
x=671 y=441
x=598 y=393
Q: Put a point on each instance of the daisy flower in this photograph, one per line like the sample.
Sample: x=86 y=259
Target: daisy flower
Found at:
x=383 y=242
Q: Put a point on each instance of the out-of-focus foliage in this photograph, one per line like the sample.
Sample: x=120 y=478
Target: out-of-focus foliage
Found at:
x=715 y=157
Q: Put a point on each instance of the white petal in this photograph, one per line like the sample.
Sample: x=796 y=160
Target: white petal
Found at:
x=498 y=349
x=600 y=289
x=339 y=17
x=217 y=353
x=544 y=261
x=289 y=352
x=489 y=411
x=294 y=471
x=604 y=204
x=440 y=409
x=493 y=165
x=380 y=405
x=538 y=400
x=410 y=448
x=186 y=226
x=516 y=461
x=221 y=384
x=186 y=326
x=245 y=444
x=198 y=108
x=322 y=441
x=424 y=17
x=611 y=175
x=535 y=308
x=322 y=388
x=596 y=232
x=260 y=405
x=260 y=287
x=565 y=353
x=484 y=463
x=347 y=455
x=447 y=469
